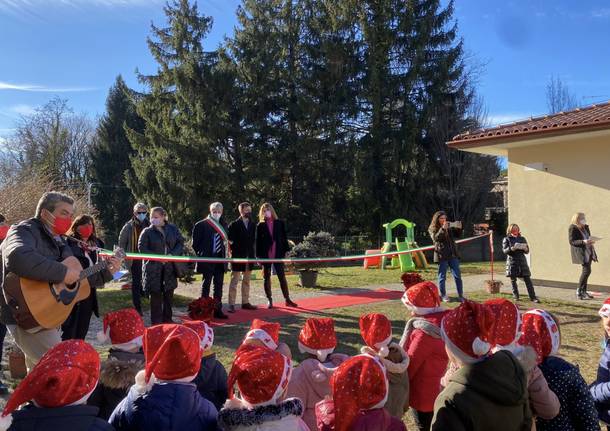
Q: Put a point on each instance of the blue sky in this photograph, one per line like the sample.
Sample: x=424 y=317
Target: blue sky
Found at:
x=75 y=49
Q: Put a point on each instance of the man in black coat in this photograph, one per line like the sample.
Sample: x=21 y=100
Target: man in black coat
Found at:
x=242 y=237
x=210 y=239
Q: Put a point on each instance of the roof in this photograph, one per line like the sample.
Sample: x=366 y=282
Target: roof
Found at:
x=589 y=118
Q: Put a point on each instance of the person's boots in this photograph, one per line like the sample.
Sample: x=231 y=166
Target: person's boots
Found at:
x=269 y=303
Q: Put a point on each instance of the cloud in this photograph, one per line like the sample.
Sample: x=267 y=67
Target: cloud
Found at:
x=23 y=109
x=42 y=88
x=601 y=13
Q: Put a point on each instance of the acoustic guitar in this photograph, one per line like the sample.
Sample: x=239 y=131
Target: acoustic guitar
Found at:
x=37 y=303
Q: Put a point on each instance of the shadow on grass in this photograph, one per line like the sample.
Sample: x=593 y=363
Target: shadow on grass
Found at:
x=111 y=299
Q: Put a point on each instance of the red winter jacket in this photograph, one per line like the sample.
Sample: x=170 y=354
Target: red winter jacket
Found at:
x=428 y=362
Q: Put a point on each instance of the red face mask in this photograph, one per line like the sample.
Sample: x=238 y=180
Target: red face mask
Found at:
x=61 y=225
x=515 y=232
x=3 y=231
x=85 y=231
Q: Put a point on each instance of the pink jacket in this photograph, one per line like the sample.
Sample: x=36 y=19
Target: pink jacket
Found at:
x=311 y=385
x=367 y=420
x=543 y=401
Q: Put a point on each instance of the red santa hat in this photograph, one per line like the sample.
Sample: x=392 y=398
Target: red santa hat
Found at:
x=66 y=374
x=541 y=332
x=605 y=310
x=204 y=331
x=172 y=352
x=422 y=298
x=261 y=374
x=467 y=331
x=318 y=337
x=123 y=328
x=202 y=309
x=507 y=322
x=376 y=330
x=266 y=332
x=359 y=383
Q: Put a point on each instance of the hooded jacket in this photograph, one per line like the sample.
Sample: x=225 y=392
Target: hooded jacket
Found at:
x=310 y=385
x=211 y=381
x=487 y=395
x=73 y=418
x=117 y=375
x=285 y=416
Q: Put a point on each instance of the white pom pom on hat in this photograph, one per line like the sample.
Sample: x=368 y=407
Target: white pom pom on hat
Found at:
x=480 y=347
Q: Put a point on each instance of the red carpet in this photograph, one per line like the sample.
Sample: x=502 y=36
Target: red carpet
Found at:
x=308 y=305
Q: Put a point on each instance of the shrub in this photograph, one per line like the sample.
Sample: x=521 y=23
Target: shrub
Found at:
x=314 y=244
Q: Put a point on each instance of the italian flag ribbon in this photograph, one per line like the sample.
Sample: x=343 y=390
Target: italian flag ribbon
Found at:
x=220 y=230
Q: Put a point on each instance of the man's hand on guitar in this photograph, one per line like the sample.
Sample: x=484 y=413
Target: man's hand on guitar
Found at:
x=72 y=276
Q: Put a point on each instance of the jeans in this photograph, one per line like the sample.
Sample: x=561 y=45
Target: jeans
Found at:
x=584 y=278
x=213 y=272
x=136 y=284
x=281 y=276
x=454 y=266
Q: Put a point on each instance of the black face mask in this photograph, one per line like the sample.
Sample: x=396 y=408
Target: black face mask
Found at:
x=247 y=215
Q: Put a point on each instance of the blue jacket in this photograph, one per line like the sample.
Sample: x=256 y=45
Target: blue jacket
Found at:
x=73 y=418
x=166 y=407
x=211 y=381
x=600 y=388
x=577 y=412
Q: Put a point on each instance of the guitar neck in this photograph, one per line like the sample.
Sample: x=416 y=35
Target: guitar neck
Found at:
x=93 y=269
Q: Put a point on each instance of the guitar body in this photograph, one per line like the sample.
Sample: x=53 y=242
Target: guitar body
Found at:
x=39 y=303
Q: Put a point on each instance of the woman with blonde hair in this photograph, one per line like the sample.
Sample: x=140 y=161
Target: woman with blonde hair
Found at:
x=515 y=248
x=272 y=243
x=583 y=251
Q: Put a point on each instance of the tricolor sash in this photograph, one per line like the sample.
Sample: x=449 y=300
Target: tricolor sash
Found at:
x=220 y=230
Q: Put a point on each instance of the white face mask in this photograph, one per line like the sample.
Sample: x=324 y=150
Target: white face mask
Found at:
x=583 y=221
x=268 y=214
x=216 y=215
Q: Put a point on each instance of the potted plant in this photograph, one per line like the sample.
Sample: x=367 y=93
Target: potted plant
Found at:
x=314 y=244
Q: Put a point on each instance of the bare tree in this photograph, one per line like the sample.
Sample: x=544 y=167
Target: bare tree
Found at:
x=558 y=96
x=53 y=141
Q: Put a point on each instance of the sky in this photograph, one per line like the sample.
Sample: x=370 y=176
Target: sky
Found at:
x=74 y=49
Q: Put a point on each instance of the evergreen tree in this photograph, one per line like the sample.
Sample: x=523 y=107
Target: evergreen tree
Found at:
x=110 y=162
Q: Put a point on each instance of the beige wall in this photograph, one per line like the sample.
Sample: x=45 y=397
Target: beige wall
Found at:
x=542 y=203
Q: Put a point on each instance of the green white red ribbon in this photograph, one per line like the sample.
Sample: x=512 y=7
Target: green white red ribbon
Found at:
x=169 y=258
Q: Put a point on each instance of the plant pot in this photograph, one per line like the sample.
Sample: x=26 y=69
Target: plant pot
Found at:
x=308 y=278
x=16 y=364
x=493 y=286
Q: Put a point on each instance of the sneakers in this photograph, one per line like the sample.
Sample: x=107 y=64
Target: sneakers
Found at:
x=269 y=304
x=248 y=306
x=461 y=298
x=589 y=296
x=535 y=300
x=445 y=298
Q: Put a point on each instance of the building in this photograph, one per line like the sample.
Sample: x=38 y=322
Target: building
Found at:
x=557 y=165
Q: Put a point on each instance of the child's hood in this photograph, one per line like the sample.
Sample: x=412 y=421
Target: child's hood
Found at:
x=501 y=378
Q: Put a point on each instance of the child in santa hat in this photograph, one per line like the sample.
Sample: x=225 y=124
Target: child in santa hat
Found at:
x=487 y=392
x=211 y=381
x=266 y=334
x=359 y=389
x=58 y=387
x=309 y=383
x=164 y=397
x=262 y=376
x=600 y=388
x=376 y=331
x=124 y=329
x=422 y=341
x=577 y=412
x=505 y=334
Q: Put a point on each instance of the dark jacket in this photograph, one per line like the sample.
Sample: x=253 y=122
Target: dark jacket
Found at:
x=117 y=375
x=242 y=242
x=488 y=395
x=167 y=407
x=516 y=262
x=600 y=388
x=264 y=240
x=284 y=416
x=203 y=244
x=96 y=280
x=577 y=411
x=211 y=381
x=73 y=418
x=445 y=247
x=578 y=248
x=158 y=276
x=129 y=235
x=30 y=251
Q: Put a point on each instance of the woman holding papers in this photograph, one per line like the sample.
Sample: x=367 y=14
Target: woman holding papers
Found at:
x=515 y=248
x=443 y=232
x=583 y=251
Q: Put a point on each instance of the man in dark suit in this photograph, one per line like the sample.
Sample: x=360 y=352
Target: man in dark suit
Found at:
x=210 y=239
x=242 y=237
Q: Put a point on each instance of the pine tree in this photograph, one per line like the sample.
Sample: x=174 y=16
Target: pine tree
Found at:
x=110 y=162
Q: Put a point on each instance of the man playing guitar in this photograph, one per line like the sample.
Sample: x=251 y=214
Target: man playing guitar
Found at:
x=33 y=249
